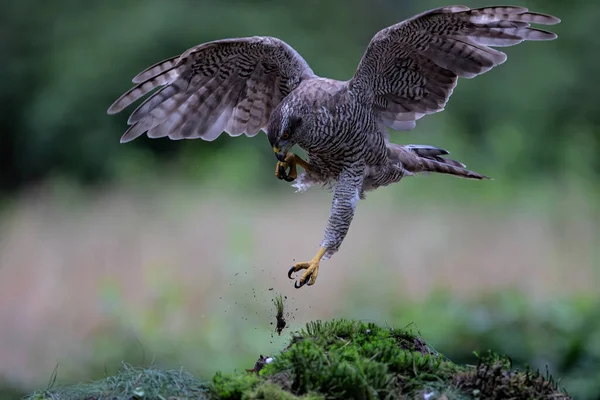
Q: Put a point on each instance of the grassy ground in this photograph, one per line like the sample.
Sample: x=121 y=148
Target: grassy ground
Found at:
x=334 y=359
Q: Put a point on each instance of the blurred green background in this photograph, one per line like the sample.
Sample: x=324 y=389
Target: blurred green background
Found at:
x=165 y=252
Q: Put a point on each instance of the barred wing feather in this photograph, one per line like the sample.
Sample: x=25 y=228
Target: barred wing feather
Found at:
x=229 y=85
x=410 y=69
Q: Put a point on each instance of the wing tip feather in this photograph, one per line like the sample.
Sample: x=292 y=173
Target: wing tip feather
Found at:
x=125 y=139
x=117 y=106
x=156 y=69
x=546 y=19
x=112 y=110
x=132 y=133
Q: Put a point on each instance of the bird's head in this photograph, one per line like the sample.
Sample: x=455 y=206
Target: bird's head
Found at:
x=285 y=130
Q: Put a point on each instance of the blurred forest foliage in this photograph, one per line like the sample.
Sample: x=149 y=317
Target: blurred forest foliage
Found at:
x=65 y=61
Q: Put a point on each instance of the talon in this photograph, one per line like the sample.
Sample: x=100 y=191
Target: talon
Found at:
x=282 y=166
x=312 y=270
x=300 y=285
x=281 y=174
x=289 y=178
x=305 y=280
x=280 y=171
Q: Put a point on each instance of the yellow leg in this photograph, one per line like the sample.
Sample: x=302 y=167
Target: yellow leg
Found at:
x=311 y=267
x=299 y=161
x=291 y=161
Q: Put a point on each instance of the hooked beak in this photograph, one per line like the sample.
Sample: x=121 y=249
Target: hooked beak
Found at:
x=280 y=154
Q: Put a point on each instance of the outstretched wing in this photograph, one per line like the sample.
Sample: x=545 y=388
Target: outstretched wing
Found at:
x=410 y=69
x=229 y=85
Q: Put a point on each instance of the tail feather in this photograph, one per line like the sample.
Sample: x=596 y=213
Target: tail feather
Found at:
x=447 y=168
x=423 y=158
x=448 y=161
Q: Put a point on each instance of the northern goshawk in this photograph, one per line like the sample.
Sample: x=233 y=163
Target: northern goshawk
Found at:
x=242 y=85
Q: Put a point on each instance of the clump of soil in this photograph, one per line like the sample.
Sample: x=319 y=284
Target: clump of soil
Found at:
x=279 y=316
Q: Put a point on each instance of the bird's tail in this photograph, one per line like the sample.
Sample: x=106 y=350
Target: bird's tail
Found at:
x=423 y=158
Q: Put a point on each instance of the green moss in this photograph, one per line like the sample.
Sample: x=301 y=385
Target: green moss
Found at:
x=348 y=359
x=269 y=391
x=355 y=360
x=230 y=387
x=335 y=359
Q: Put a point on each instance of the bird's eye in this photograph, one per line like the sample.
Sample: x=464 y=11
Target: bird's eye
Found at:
x=285 y=135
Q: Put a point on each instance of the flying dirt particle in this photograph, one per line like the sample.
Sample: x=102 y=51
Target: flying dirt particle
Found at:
x=279 y=316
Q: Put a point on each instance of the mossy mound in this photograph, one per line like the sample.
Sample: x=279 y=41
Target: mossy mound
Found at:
x=337 y=359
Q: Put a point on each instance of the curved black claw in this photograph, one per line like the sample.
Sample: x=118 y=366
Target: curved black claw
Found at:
x=300 y=285
x=282 y=173
x=290 y=272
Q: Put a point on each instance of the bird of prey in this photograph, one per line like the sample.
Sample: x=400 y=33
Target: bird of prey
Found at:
x=244 y=85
